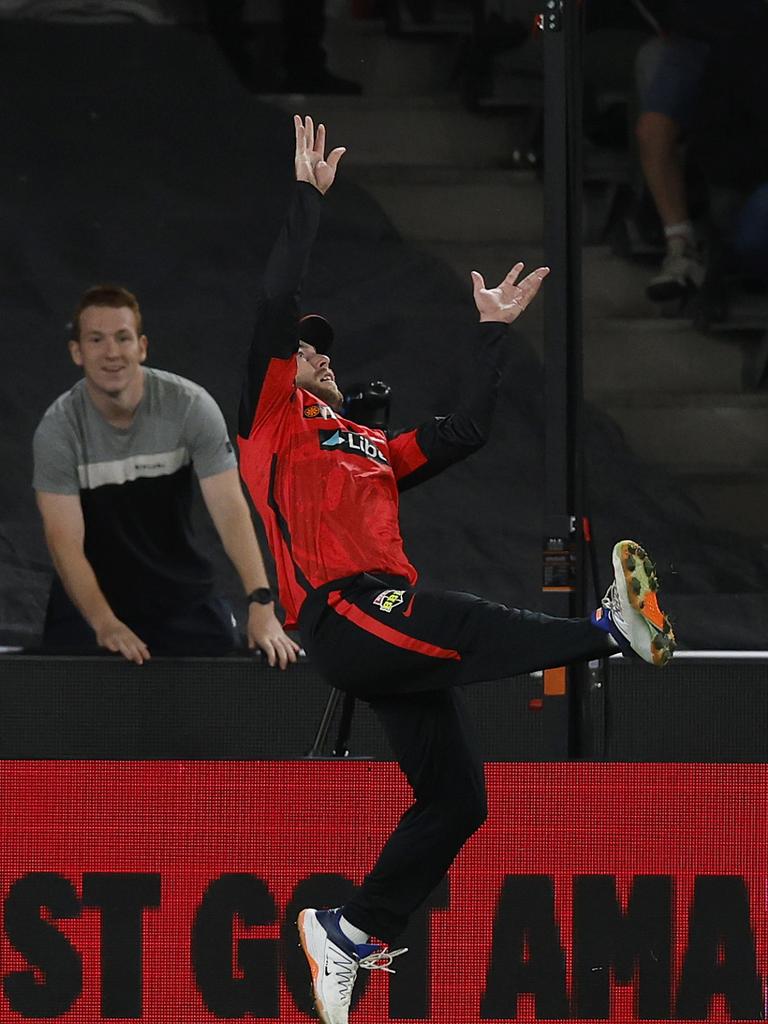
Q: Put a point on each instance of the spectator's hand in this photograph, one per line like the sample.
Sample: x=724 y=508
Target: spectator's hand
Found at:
x=311 y=164
x=506 y=302
x=265 y=631
x=116 y=636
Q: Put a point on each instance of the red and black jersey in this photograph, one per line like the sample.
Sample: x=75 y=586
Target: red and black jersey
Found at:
x=328 y=489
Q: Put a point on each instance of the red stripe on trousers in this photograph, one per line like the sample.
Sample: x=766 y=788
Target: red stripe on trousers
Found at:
x=387 y=633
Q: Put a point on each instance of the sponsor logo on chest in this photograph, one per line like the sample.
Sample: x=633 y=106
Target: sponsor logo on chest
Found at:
x=349 y=441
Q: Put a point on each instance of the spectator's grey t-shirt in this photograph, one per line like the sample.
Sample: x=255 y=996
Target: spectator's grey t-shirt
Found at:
x=135 y=487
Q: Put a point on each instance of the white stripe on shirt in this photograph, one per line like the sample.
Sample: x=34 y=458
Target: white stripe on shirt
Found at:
x=122 y=471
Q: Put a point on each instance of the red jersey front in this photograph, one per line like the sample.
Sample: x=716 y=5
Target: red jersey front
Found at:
x=326 y=489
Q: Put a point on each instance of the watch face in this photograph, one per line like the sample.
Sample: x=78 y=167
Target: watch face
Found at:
x=262 y=595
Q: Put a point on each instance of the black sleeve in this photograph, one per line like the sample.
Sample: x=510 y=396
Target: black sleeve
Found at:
x=423 y=452
x=275 y=333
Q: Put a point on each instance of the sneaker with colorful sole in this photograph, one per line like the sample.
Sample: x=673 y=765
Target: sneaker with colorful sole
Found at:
x=630 y=610
x=334 y=960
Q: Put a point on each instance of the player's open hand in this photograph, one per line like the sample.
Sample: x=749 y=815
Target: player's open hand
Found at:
x=266 y=633
x=508 y=300
x=311 y=162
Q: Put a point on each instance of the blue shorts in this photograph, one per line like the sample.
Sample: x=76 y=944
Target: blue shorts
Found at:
x=750 y=232
x=669 y=74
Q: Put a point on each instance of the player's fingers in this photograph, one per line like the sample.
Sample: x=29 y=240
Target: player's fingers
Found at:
x=513 y=275
x=530 y=285
x=334 y=156
x=535 y=277
x=319 y=146
x=309 y=132
x=298 y=126
x=478 y=284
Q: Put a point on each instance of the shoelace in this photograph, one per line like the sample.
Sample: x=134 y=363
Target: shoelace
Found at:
x=611 y=599
x=381 y=959
x=346 y=970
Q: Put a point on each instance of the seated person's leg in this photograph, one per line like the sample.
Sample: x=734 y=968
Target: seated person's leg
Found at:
x=750 y=235
x=669 y=76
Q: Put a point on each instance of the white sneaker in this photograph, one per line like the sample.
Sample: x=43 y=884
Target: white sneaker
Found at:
x=682 y=271
x=630 y=609
x=334 y=960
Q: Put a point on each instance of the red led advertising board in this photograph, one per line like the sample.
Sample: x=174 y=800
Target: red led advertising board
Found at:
x=166 y=892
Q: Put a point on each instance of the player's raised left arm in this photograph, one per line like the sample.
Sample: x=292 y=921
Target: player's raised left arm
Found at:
x=439 y=442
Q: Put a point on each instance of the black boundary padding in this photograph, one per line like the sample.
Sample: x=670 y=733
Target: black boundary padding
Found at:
x=207 y=708
x=238 y=708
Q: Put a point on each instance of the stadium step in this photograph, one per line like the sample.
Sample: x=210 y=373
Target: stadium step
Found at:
x=428 y=131
x=711 y=433
x=661 y=356
x=492 y=205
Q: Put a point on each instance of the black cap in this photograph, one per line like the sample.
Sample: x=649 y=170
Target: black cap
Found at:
x=317 y=332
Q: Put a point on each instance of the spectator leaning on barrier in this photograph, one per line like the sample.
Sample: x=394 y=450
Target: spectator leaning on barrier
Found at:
x=113 y=460
x=670 y=73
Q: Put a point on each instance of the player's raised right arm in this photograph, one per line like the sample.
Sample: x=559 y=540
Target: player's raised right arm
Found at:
x=275 y=335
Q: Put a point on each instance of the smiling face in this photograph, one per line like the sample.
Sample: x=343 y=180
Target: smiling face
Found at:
x=314 y=374
x=110 y=350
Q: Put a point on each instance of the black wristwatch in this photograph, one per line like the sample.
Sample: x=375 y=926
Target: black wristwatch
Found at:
x=261 y=595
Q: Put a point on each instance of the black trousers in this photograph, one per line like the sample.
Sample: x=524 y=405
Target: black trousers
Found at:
x=405 y=651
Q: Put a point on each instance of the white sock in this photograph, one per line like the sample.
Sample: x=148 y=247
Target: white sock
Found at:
x=682 y=230
x=357 y=935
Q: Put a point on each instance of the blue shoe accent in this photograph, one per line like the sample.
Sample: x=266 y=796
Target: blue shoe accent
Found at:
x=601 y=620
x=329 y=919
x=601 y=617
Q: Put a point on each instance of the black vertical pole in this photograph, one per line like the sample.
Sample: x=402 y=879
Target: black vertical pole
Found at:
x=561 y=25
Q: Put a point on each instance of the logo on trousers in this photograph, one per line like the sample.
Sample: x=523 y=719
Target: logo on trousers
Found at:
x=389 y=599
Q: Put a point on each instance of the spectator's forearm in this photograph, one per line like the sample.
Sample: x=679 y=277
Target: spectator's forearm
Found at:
x=79 y=580
x=236 y=532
